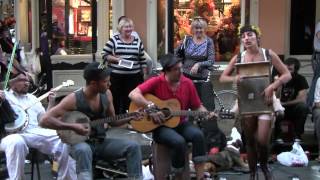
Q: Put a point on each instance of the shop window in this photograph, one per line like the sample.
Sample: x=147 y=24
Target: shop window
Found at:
x=7 y=19
x=302 y=27
x=223 y=17
x=72 y=27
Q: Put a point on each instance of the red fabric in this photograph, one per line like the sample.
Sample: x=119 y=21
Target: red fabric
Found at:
x=214 y=150
x=186 y=92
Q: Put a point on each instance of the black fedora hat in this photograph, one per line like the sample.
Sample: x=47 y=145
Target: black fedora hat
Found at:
x=168 y=60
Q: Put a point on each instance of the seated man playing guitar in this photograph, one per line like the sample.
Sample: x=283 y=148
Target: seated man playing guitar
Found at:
x=172 y=84
x=95 y=101
x=15 y=145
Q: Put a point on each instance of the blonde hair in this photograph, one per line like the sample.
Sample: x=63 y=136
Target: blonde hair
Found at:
x=199 y=22
x=124 y=21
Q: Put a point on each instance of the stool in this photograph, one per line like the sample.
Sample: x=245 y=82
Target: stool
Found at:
x=161 y=161
x=34 y=160
x=3 y=166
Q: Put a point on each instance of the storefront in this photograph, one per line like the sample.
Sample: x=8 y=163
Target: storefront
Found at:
x=82 y=27
x=66 y=32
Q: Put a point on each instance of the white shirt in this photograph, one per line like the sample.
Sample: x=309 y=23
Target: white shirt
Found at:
x=317 y=92
x=316 y=40
x=24 y=101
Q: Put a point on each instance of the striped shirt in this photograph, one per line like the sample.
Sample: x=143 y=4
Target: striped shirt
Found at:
x=133 y=51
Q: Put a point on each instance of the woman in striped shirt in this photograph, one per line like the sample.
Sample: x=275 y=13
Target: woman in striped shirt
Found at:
x=125 y=55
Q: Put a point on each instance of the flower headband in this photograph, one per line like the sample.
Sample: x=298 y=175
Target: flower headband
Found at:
x=245 y=28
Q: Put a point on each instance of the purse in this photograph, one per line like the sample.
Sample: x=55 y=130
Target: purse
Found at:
x=202 y=74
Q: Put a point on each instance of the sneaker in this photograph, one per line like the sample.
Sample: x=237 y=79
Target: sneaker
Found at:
x=279 y=141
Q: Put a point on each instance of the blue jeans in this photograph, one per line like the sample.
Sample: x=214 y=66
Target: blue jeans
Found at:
x=109 y=149
x=177 y=139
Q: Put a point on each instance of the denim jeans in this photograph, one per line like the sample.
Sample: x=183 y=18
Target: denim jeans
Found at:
x=109 y=149
x=298 y=114
x=316 y=120
x=177 y=139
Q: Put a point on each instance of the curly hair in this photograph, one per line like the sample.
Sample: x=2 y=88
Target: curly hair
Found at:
x=246 y=28
x=293 y=61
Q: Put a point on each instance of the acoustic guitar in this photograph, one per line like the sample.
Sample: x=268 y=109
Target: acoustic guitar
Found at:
x=171 y=109
x=71 y=137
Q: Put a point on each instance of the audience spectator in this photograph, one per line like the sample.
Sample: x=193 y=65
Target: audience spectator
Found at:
x=315 y=64
x=316 y=114
x=5 y=40
x=146 y=55
x=125 y=55
x=293 y=98
x=197 y=52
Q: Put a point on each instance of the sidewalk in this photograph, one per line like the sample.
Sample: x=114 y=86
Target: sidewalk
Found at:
x=280 y=172
x=311 y=172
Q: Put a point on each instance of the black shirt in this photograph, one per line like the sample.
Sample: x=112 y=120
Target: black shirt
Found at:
x=291 y=89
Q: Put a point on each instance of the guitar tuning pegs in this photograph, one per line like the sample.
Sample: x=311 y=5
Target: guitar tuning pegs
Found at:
x=226 y=113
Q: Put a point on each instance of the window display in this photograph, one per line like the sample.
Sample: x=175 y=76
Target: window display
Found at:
x=76 y=31
x=85 y=14
x=223 y=17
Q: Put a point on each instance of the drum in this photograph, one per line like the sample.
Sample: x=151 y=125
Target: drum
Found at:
x=251 y=99
x=255 y=78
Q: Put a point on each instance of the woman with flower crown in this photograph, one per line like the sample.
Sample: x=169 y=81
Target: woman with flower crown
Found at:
x=257 y=128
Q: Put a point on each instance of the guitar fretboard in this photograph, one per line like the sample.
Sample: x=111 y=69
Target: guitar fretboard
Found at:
x=189 y=113
x=98 y=122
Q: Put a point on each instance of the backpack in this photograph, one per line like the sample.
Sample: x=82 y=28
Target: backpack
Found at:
x=213 y=134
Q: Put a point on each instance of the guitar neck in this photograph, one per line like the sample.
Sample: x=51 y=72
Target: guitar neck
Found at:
x=42 y=97
x=99 y=122
x=189 y=113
